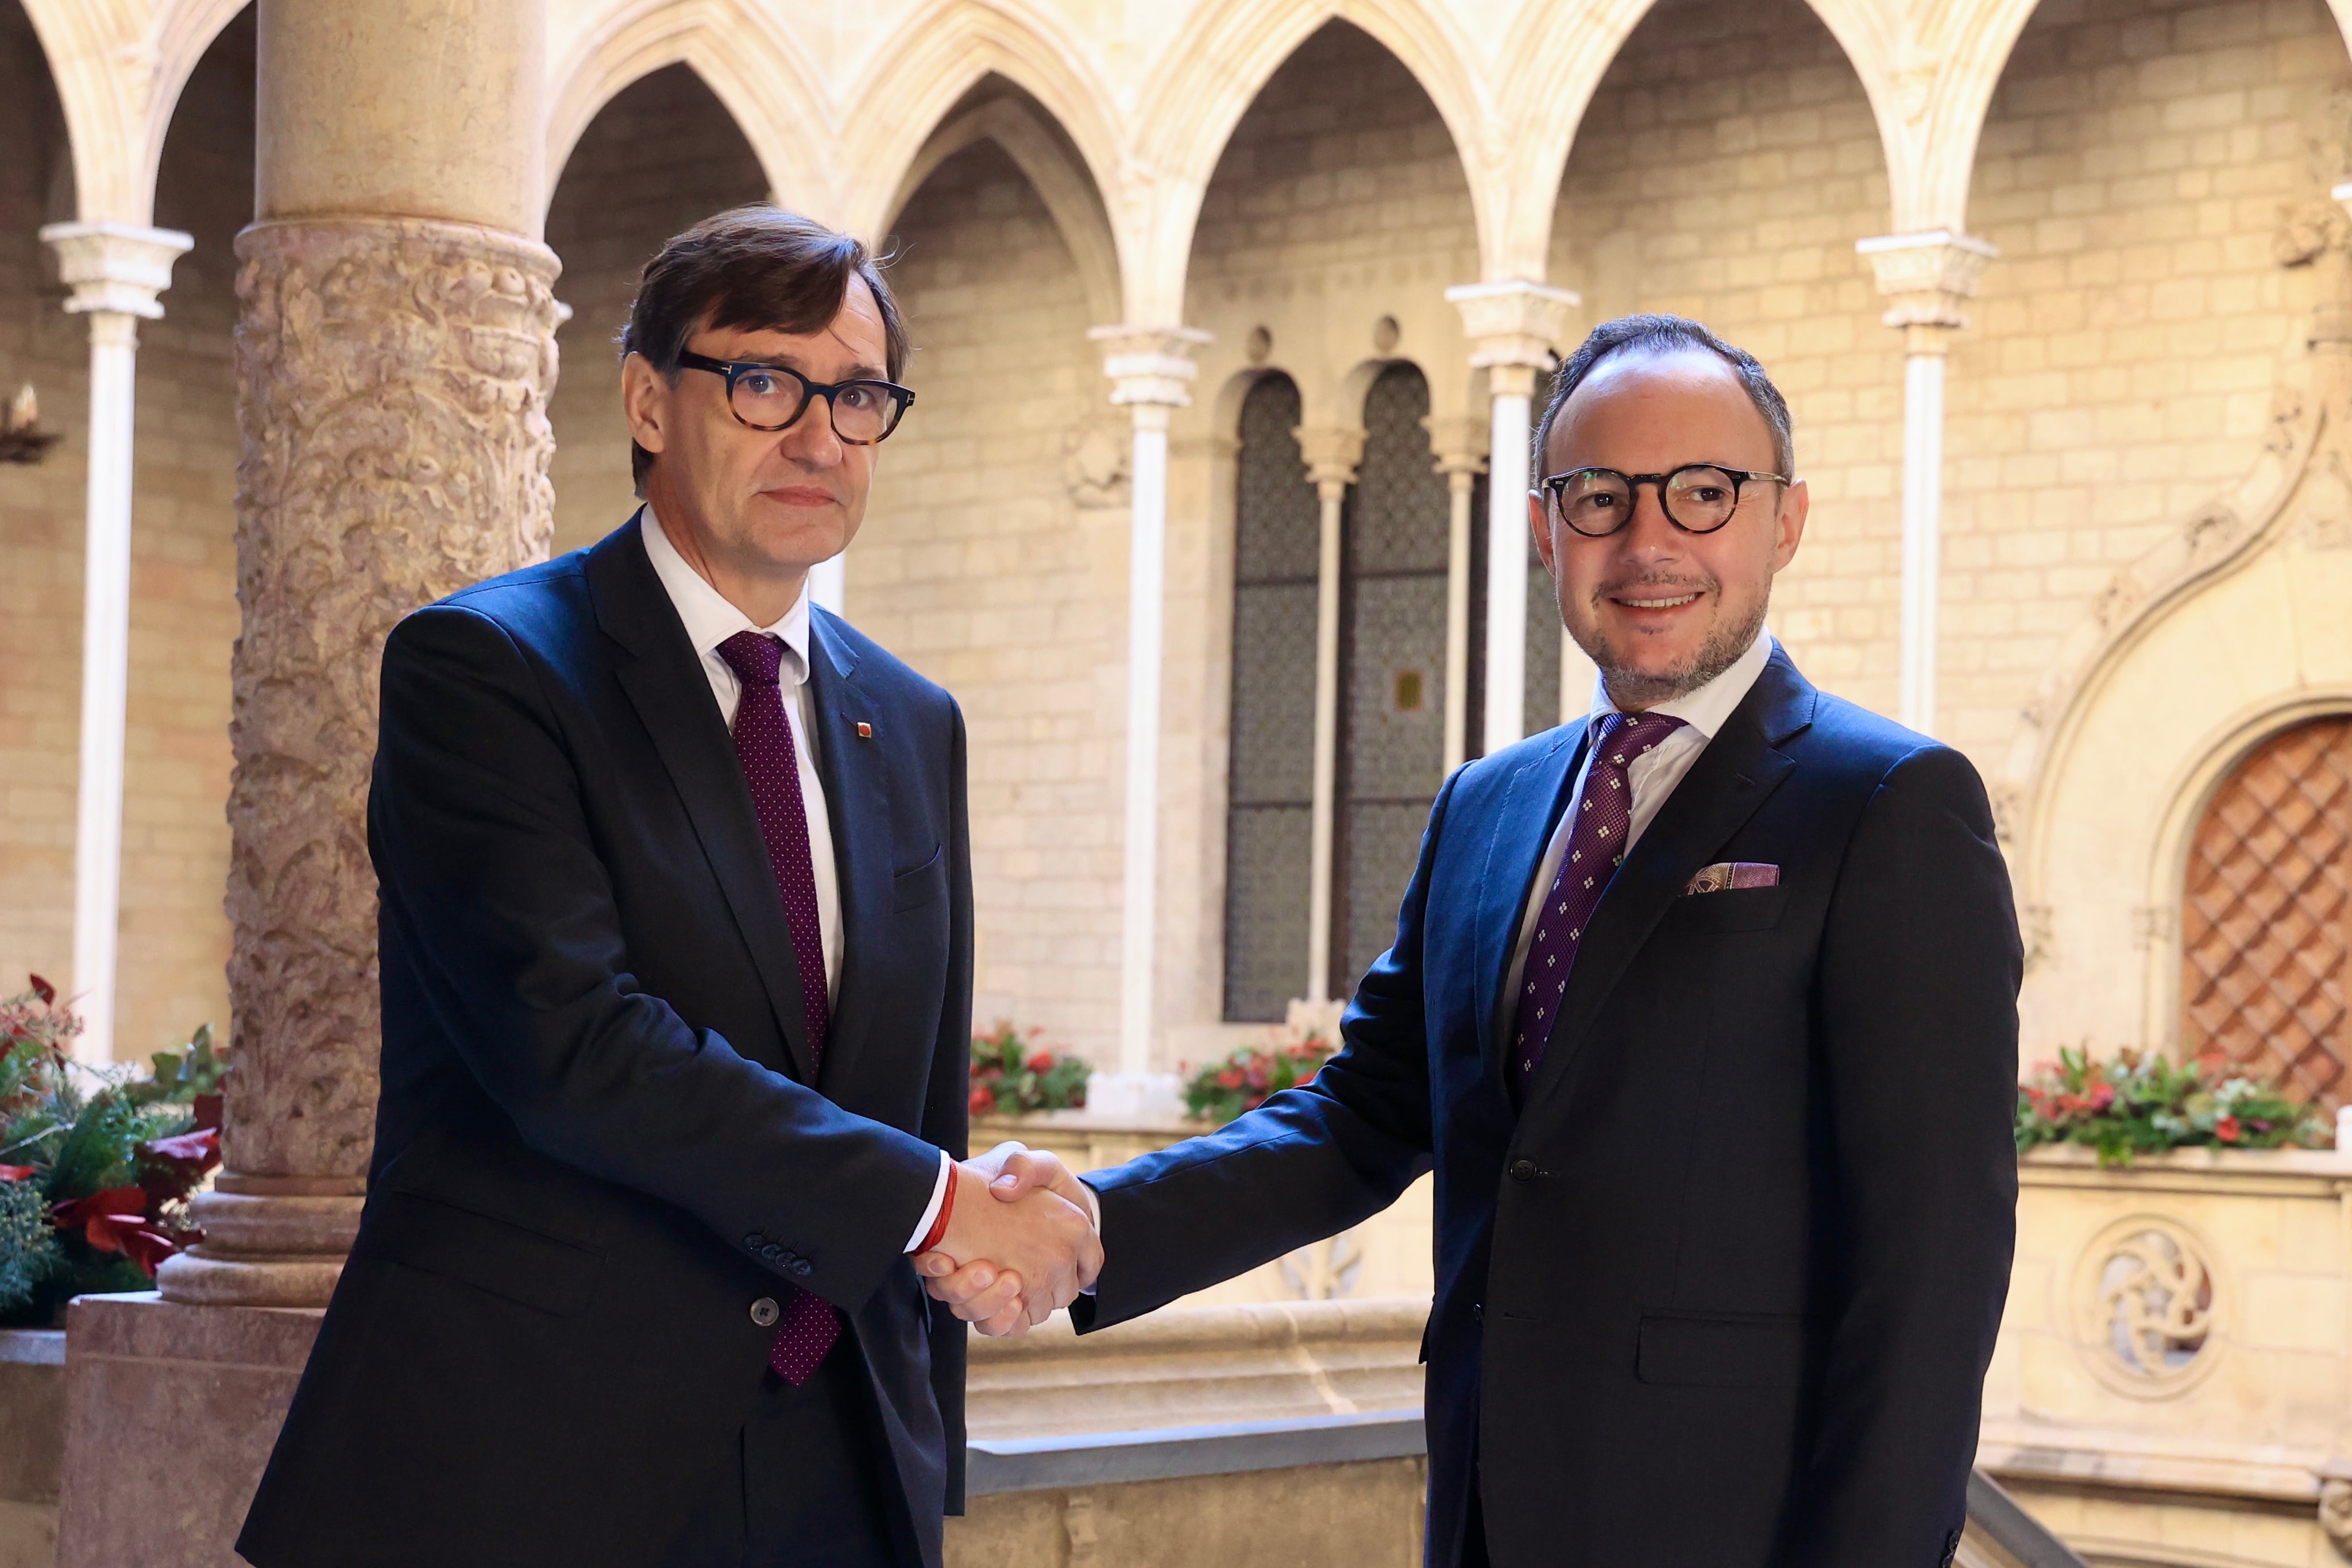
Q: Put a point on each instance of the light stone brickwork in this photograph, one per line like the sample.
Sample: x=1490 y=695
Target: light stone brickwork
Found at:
x=979 y=567
x=662 y=155
x=2135 y=170
x=1723 y=171
x=182 y=607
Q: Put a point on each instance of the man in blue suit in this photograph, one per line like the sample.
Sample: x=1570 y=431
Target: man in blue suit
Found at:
x=1704 y=1010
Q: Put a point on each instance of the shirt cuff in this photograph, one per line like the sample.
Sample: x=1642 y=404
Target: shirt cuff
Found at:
x=931 y=1209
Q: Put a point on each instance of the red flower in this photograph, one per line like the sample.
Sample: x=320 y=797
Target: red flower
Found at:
x=45 y=991
x=2227 y=1130
x=208 y=1111
x=15 y=1172
x=984 y=1100
x=115 y=1221
x=1042 y=1062
x=2103 y=1097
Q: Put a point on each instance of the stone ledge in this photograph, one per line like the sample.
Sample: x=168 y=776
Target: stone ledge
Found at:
x=1169 y=1453
x=2312 y=1173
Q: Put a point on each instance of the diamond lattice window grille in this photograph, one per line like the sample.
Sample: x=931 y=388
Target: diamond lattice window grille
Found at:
x=2266 y=915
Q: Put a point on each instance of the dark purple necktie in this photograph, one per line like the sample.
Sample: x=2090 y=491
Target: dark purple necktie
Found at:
x=772 y=767
x=1596 y=845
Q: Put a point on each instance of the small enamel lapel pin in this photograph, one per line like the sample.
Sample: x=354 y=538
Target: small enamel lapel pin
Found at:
x=865 y=731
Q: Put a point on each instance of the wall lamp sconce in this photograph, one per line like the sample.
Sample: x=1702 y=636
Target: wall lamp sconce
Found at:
x=22 y=439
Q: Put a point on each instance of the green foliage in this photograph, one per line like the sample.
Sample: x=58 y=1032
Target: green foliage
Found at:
x=29 y=1253
x=96 y=1165
x=1012 y=1076
x=1248 y=1079
x=2136 y=1103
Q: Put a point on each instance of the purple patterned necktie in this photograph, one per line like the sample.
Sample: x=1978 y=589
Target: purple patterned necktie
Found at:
x=1596 y=844
x=772 y=767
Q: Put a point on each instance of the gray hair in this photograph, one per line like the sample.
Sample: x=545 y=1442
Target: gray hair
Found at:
x=1665 y=334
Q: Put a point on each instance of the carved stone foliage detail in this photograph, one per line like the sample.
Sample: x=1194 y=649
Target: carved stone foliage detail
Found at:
x=2335 y=1513
x=393 y=376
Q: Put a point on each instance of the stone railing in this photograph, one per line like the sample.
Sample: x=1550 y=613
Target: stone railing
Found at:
x=2178 y=1341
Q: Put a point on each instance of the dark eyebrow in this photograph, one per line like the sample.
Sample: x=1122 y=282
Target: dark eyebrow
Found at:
x=857 y=371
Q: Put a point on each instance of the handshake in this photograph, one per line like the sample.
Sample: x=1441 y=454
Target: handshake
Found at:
x=1020 y=1241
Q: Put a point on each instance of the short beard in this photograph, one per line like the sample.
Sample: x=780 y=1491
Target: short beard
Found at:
x=1630 y=689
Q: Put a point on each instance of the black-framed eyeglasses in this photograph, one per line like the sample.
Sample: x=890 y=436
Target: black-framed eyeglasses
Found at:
x=773 y=397
x=1698 y=498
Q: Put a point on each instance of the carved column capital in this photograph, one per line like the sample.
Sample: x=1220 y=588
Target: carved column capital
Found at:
x=115 y=267
x=1150 y=365
x=1515 y=324
x=393 y=380
x=1332 y=453
x=1458 y=444
x=1926 y=278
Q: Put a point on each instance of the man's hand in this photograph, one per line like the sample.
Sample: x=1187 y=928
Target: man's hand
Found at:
x=1011 y=1262
x=986 y=1287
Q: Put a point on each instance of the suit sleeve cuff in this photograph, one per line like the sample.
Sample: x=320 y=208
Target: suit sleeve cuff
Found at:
x=931 y=1209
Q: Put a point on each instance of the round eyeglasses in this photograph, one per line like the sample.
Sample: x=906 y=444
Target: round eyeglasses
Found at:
x=1698 y=498
x=773 y=397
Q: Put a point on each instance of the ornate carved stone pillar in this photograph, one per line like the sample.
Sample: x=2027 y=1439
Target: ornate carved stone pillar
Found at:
x=1925 y=278
x=394 y=352
x=1332 y=455
x=1512 y=327
x=1151 y=371
x=116 y=273
x=1459 y=444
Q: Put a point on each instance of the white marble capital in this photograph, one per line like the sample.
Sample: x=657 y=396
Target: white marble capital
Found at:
x=1513 y=322
x=116 y=267
x=1332 y=454
x=1150 y=364
x=1927 y=279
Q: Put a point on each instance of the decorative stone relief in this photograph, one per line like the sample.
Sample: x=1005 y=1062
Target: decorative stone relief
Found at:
x=2148 y=1306
x=2336 y=1512
x=393 y=377
x=1094 y=461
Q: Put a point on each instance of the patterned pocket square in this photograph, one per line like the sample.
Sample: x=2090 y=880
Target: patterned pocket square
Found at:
x=1725 y=875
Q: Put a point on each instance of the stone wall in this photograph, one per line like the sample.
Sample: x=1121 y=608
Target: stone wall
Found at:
x=182 y=607
x=2138 y=162
x=663 y=155
x=1726 y=167
x=979 y=565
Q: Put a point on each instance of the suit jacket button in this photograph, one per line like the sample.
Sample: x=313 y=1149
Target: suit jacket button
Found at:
x=1523 y=1169
x=764 y=1311
x=1478 y=1311
x=801 y=1266
x=751 y=1243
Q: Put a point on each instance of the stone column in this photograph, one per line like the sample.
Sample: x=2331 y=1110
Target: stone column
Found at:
x=1459 y=444
x=1332 y=454
x=394 y=352
x=1512 y=327
x=1151 y=371
x=1925 y=278
x=115 y=272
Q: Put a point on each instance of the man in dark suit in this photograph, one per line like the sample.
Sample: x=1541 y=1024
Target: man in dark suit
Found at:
x=1704 y=1009
x=676 y=967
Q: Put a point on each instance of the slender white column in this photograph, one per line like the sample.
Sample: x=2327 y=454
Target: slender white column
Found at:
x=115 y=272
x=1459 y=446
x=1923 y=526
x=1926 y=278
x=1332 y=455
x=1511 y=326
x=1506 y=557
x=1151 y=375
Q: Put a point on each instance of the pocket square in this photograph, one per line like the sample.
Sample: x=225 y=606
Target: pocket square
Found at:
x=1725 y=875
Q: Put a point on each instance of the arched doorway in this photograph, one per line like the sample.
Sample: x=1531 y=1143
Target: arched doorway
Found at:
x=2267 y=914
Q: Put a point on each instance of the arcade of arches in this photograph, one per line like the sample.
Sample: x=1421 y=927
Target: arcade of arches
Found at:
x=2060 y=295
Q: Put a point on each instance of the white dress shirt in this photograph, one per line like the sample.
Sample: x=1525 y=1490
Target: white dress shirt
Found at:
x=1652 y=775
x=710 y=619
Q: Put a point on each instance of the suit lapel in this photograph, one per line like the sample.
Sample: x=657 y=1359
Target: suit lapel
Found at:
x=1524 y=824
x=1734 y=775
x=662 y=677
x=856 y=780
